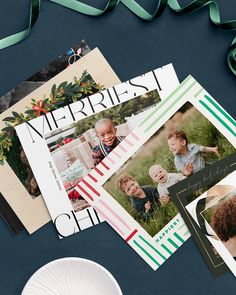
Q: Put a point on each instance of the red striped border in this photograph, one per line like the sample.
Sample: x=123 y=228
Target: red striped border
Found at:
x=131 y=235
x=85 y=192
x=98 y=171
x=104 y=165
x=91 y=188
x=93 y=178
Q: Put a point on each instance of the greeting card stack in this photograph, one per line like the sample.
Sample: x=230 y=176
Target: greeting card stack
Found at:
x=152 y=157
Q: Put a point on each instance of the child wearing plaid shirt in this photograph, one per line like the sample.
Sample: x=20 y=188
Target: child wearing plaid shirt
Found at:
x=106 y=133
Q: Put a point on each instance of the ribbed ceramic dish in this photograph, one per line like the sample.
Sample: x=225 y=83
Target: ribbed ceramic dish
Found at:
x=72 y=276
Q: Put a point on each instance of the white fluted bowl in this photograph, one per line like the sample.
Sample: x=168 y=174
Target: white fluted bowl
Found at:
x=72 y=276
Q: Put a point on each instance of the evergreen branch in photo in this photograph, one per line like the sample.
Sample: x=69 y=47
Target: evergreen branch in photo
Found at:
x=61 y=95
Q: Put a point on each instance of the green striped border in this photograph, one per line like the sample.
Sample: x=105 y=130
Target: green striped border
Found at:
x=146 y=252
x=167 y=249
x=150 y=256
x=163 y=103
x=172 y=242
x=179 y=237
x=217 y=117
x=187 y=233
x=221 y=110
x=162 y=114
x=183 y=225
x=153 y=248
x=196 y=94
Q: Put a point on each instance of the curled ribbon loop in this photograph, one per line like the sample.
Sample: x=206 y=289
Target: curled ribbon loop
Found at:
x=85 y=8
x=138 y=10
x=16 y=38
x=231 y=57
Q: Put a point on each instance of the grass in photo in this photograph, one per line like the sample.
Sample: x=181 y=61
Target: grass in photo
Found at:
x=184 y=145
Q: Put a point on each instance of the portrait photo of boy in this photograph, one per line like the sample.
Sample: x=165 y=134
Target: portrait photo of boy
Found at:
x=187 y=157
x=164 y=179
x=144 y=199
x=106 y=132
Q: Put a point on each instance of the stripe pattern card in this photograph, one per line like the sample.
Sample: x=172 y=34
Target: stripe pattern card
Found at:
x=187 y=124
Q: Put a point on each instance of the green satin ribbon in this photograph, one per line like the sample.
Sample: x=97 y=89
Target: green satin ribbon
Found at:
x=137 y=9
x=16 y=38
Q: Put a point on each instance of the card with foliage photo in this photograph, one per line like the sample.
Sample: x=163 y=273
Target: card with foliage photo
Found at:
x=19 y=92
x=81 y=76
x=75 y=138
x=185 y=133
x=214 y=211
x=188 y=190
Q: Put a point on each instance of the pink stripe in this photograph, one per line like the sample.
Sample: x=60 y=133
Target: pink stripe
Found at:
x=109 y=220
x=115 y=214
x=122 y=148
x=115 y=153
x=128 y=142
x=134 y=135
x=109 y=159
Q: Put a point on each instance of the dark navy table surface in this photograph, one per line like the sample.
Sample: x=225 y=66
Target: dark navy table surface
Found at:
x=132 y=47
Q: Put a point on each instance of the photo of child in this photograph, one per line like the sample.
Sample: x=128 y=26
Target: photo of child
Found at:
x=187 y=157
x=164 y=179
x=184 y=145
x=106 y=133
x=77 y=148
x=23 y=170
x=144 y=199
x=33 y=187
x=10 y=146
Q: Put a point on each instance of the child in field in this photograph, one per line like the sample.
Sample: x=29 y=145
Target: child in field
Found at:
x=106 y=133
x=159 y=174
x=188 y=158
x=143 y=199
